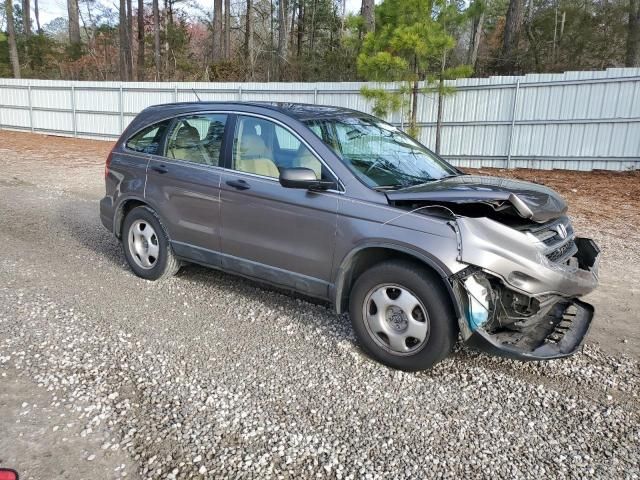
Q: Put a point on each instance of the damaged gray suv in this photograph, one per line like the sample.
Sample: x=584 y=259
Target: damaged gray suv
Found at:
x=341 y=206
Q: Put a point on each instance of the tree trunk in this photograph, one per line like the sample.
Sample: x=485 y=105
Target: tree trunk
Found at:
x=439 y=117
x=156 y=37
x=26 y=17
x=248 y=39
x=130 y=39
x=301 y=13
x=227 y=29
x=368 y=14
x=413 y=119
x=282 y=37
x=633 y=35
x=472 y=57
x=217 y=31
x=140 y=40
x=313 y=26
x=11 y=31
x=513 y=25
x=36 y=11
x=122 y=31
x=74 y=27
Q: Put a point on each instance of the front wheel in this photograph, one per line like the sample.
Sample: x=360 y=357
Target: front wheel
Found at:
x=402 y=315
x=146 y=245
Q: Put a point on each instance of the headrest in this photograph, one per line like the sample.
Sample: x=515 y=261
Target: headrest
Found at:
x=187 y=136
x=252 y=146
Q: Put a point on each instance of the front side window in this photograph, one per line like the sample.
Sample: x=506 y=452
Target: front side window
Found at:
x=197 y=139
x=149 y=139
x=378 y=153
x=262 y=147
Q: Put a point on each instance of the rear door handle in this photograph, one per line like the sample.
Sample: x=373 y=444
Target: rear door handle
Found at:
x=238 y=184
x=159 y=169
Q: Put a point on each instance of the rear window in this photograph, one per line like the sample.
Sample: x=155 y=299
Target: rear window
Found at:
x=149 y=139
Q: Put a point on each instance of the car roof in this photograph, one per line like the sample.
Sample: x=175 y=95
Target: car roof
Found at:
x=299 y=111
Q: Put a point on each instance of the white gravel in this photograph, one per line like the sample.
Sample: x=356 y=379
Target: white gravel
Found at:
x=207 y=375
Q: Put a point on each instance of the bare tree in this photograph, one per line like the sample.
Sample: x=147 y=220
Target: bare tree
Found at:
x=26 y=17
x=248 y=39
x=301 y=24
x=140 y=69
x=124 y=50
x=476 y=36
x=368 y=13
x=13 y=47
x=36 y=11
x=227 y=29
x=633 y=35
x=130 y=39
x=282 y=37
x=217 y=31
x=156 y=37
x=74 y=25
x=512 y=28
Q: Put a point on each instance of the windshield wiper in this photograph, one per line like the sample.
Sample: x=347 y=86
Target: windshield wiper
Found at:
x=384 y=188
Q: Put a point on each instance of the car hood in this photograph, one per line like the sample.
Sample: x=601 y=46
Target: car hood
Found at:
x=529 y=200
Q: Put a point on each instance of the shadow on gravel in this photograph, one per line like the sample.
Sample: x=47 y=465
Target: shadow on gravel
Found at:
x=81 y=220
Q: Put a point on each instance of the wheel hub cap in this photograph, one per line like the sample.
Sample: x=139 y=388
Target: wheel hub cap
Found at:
x=396 y=319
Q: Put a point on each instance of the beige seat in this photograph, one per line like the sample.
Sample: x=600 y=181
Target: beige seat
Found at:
x=253 y=156
x=186 y=146
x=306 y=159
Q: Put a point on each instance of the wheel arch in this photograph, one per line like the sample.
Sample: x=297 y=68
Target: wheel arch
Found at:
x=125 y=206
x=364 y=257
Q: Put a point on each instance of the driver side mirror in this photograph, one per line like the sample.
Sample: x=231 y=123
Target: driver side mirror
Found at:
x=303 y=178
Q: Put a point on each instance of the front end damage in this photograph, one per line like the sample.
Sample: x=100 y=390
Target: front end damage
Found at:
x=519 y=293
x=520 y=267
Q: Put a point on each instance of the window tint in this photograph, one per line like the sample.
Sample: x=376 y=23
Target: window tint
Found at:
x=149 y=139
x=262 y=147
x=197 y=139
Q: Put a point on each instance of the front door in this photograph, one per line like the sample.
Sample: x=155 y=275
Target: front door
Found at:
x=183 y=184
x=281 y=235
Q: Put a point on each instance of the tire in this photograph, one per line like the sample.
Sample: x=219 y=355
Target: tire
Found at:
x=146 y=245
x=386 y=333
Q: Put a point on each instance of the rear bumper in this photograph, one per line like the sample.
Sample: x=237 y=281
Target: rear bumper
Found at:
x=561 y=334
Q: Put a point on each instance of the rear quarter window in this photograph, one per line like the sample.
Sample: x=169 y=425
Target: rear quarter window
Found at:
x=149 y=139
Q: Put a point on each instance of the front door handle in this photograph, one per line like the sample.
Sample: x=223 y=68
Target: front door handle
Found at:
x=159 y=169
x=238 y=184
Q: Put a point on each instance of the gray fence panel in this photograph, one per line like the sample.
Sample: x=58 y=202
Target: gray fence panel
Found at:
x=575 y=120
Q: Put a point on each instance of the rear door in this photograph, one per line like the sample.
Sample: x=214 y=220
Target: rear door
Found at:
x=183 y=184
x=281 y=235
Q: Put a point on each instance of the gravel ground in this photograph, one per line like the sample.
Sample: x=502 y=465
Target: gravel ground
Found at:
x=207 y=375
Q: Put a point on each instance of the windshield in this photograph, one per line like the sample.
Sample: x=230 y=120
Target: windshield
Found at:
x=378 y=153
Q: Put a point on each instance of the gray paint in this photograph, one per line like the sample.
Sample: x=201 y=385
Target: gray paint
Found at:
x=311 y=241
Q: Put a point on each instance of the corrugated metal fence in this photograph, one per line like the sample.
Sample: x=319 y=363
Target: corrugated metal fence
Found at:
x=575 y=120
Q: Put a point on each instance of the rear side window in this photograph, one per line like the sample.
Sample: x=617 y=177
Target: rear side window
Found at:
x=197 y=139
x=149 y=139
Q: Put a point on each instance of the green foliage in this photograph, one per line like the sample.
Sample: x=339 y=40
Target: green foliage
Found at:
x=409 y=45
x=385 y=101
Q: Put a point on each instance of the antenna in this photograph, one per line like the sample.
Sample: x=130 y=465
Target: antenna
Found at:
x=196 y=94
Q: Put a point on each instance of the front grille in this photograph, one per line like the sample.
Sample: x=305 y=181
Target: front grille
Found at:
x=557 y=237
x=564 y=252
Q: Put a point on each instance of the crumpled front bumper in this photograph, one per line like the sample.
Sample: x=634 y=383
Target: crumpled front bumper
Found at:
x=509 y=261
x=567 y=329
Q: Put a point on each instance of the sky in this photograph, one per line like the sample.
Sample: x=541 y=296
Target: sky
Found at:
x=50 y=9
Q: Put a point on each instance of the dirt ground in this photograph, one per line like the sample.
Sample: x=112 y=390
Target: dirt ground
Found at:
x=603 y=205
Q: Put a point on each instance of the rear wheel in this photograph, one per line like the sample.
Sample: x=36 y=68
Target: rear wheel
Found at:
x=146 y=245
x=402 y=315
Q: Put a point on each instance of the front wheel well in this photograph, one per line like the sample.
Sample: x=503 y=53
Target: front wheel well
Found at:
x=367 y=258
x=122 y=211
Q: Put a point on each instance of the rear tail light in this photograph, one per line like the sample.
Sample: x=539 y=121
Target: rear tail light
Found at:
x=107 y=164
